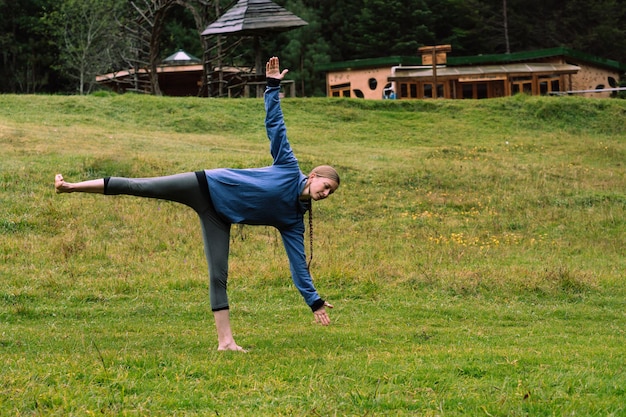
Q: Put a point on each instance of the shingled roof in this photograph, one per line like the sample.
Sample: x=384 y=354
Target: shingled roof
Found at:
x=254 y=18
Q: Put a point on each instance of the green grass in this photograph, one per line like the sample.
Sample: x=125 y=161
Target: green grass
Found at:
x=474 y=254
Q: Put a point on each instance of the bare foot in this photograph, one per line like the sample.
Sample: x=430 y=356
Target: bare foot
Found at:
x=232 y=346
x=60 y=185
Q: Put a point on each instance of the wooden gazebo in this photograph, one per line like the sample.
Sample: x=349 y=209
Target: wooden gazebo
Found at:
x=254 y=18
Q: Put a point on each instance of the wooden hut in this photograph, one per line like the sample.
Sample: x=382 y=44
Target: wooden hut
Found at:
x=180 y=74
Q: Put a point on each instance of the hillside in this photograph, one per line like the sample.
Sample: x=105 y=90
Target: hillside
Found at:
x=474 y=253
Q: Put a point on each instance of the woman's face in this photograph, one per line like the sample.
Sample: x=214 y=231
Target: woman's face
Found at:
x=320 y=187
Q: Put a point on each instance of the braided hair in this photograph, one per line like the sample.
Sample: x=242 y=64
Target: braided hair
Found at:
x=308 y=265
x=324 y=171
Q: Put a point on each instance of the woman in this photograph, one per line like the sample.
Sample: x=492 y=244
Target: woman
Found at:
x=277 y=195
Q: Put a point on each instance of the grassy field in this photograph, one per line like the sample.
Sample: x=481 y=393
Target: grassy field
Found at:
x=474 y=254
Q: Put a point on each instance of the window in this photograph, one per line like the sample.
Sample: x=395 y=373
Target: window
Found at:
x=340 y=90
x=481 y=90
x=428 y=90
x=440 y=92
x=521 y=85
x=404 y=90
x=420 y=90
x=496 y=89
x=467 y=90
x=409 y=90
x=555 y=85
x=548 y=84
x=373 y=83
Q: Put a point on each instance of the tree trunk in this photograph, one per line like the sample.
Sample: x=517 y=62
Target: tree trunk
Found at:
x=506 y=27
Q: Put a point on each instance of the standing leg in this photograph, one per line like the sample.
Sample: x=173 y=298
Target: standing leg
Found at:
x=216 y=236
x=224 y=334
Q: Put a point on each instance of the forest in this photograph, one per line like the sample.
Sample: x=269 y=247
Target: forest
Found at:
x=59 y=46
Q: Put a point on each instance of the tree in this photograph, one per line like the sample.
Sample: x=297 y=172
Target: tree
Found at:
x=387 y=28
x=301 y=49
x=88 y=37
x=144 y=28
x=336 y=23
x=25 y=53
x=599 y=29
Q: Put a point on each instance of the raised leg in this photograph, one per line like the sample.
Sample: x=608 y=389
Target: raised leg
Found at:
x=90 y=186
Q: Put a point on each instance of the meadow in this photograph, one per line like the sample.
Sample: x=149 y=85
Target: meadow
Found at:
x=474 y=254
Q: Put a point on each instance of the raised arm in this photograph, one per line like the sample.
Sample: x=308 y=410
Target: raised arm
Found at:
x=272 y=69
x=274 y=122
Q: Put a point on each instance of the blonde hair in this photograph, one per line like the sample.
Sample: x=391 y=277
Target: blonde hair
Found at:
x=324 y=171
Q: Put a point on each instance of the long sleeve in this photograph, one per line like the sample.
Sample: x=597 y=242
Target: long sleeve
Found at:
x=276 y=130
x=293 y=239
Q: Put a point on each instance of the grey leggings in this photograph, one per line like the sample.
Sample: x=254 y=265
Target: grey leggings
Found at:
x=190 y=189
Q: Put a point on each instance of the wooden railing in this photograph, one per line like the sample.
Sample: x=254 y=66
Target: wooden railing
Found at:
x=256 y=89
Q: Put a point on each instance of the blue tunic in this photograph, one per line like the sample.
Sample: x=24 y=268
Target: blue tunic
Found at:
x=270 y=196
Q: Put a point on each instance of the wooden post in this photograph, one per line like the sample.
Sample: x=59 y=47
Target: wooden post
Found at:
x=220 y=86
x=434 y=55
x=434 y=92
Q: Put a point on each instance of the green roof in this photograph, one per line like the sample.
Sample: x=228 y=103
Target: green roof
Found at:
x=389 y=61
x=537 y=54
x=473 y=60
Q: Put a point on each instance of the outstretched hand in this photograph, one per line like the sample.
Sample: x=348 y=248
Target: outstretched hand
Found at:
x=321 y=316
x=272 y=69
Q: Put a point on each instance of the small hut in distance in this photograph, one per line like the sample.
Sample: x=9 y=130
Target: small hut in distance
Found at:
x=180 y=74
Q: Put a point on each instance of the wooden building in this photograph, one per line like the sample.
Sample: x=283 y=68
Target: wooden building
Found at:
x=186 y=80
x=180 y=74
x=436 y=75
